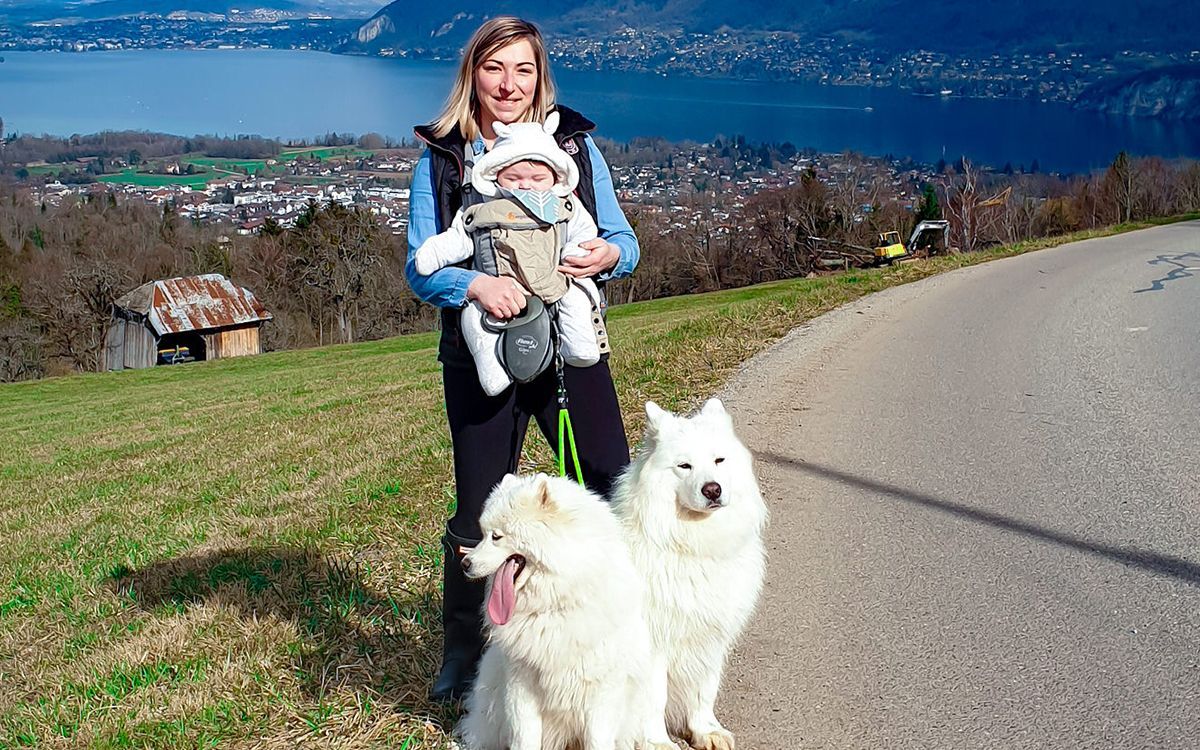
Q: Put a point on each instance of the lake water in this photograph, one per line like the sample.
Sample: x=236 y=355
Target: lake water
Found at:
x=285 y=94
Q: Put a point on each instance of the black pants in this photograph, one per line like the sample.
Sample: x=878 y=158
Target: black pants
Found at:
x=488 y=431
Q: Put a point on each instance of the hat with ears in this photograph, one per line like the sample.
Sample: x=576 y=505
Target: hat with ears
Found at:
x=525 y=141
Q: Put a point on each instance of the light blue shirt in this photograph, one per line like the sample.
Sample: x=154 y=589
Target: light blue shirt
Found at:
x=447 y=287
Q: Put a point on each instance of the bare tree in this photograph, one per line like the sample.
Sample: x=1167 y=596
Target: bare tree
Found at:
x=1118 y=185
x=974 y=218
x=21 y=355
x=335 y=250
x=74 y=309
x=1189 y=188
x=1155 y=190
x=786 y=221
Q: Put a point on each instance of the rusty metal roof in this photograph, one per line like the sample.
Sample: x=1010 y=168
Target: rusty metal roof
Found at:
x=194 y=303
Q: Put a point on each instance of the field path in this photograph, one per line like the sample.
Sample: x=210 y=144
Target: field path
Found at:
x=985 y=495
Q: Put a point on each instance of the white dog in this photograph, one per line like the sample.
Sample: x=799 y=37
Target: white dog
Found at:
x=694 y=519
x=568 y=643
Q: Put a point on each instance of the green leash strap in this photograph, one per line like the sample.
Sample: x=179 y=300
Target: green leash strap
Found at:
x=565 y=432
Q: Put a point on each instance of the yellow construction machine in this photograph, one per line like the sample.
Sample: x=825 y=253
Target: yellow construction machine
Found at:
x=890 y=248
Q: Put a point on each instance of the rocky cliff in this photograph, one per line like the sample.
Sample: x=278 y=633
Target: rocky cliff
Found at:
x=1171 y=93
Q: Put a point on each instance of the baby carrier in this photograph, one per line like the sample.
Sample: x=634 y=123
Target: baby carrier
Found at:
x=510 y=242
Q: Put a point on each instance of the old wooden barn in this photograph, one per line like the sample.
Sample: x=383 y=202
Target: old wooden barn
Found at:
x=187 y=319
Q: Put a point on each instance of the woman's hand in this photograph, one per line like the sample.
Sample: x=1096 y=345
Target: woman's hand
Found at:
x=500 y=296
x=601 y=257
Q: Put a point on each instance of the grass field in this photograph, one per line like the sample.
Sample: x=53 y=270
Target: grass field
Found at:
x=245 y=553
x=215 y=167
x=255 y=166
x=324 y=152
x=130 y=176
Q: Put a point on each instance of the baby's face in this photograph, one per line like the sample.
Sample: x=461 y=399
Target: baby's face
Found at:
x=526 y=175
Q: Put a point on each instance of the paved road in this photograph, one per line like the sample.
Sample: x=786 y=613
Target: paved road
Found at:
x=985 y=492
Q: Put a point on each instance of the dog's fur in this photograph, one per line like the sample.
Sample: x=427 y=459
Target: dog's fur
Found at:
x=701 y=554
x=565 y=666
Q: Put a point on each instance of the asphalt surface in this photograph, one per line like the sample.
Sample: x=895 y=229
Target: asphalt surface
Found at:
x=985 y=497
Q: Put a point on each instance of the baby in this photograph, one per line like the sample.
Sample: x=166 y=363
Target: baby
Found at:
x=529 y=224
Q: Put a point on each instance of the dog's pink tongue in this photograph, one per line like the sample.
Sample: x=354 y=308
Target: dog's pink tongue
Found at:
x=503 y=599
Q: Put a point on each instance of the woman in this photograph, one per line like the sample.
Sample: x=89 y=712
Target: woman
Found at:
x=504 y=77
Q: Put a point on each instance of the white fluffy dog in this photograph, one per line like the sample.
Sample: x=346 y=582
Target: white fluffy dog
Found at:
x=568 y=643
x=694 y=519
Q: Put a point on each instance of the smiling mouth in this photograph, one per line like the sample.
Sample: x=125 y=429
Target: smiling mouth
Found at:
x=519 y=562
x=503 y=599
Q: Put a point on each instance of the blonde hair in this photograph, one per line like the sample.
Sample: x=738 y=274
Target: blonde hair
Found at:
x=462 y=106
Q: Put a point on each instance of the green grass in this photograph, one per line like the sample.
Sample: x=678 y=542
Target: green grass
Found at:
x=255 y=166
x=245 y=552
x=131 y=176
x=325 y=152
x=215 y=168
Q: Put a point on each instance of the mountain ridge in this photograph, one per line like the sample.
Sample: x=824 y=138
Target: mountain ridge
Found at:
x=890 y=25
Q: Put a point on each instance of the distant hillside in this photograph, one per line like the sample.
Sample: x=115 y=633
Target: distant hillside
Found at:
x=1171 y=92
x=890 y=25
x=40 y=10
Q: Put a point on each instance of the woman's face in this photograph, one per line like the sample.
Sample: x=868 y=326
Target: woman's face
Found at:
x=505 y=84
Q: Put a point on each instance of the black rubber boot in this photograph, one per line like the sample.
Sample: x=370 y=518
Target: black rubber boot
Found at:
x=462 y=623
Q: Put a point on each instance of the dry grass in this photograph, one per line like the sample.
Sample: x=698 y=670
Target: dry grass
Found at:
x=245 y=553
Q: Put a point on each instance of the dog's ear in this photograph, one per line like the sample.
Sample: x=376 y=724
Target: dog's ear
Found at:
x=507 y=481
x=713 y=408
x=655 y=414
x=541 y=486
x=500 y=129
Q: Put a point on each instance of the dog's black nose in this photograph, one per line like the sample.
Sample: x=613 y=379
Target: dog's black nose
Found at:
x=712 y=491
x=466 y=564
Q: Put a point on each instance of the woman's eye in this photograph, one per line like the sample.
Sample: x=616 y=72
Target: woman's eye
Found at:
x=497 y=536
x=685 y=466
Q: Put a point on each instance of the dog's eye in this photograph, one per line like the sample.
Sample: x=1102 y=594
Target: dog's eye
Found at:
x=685 y=466
x=719 y=460
x=497 y=536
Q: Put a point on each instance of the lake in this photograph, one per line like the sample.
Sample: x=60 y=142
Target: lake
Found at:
x=288 y=94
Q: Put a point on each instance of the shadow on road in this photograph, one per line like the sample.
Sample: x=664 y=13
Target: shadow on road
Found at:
x=1180 y=270
x=1153 y=562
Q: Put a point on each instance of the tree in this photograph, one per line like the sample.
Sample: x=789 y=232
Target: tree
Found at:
x=135 y=157
x=928 y=207
x=270 y=227
x=334 y=251
x=372 y=142
x=784 y=223
x=973 y=217
x=1118 y=185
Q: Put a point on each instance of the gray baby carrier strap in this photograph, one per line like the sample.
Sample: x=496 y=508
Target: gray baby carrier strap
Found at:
x=481 y=261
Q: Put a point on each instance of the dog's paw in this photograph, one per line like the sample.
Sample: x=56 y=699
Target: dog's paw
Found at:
x=658 y=746
x=716 y=740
